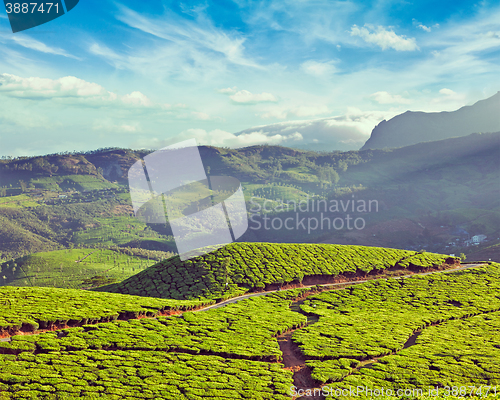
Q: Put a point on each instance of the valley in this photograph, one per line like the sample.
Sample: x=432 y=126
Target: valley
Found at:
x=435 y=196
x=97 y=304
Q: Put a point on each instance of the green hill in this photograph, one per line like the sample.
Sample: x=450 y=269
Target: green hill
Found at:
x=255 y=266
x=77 y=268
x=18 y=238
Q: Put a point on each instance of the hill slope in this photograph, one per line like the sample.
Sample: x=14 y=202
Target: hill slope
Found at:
x=445 y=185
x=77 y=268
x=246 y=266
x=414 y=127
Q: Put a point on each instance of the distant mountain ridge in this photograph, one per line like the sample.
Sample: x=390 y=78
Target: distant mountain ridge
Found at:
x=415 y=127
x=81 y=199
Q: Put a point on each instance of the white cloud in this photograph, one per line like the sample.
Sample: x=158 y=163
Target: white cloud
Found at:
x=387 y=98
x=386 y=39
x=447 y=92
x=246 y=97
x=449 y=96
x=104 y=51
x=220 y=138
x=33 y=44
x=347 y=132
x=68 y=86
x=137 y=99
x=298 y=111
x=228 y=90
x=200 y=34
x=422 y=26
x=319 y=69
x=72 y=91
x=164 y=59
x=171 y=47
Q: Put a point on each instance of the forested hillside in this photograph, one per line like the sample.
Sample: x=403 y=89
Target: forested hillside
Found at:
x=431 y=195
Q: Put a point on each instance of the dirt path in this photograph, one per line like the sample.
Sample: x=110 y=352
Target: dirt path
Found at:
x=347 y=282
x=293 y=358
x=81 y=259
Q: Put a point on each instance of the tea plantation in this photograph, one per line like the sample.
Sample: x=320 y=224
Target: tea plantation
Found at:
x=73 y=268
x=139 y=375
x=32 y=308
x=215 y=354
x=246 y=266
x=362 y=336
x=246 y=329
x=440 y=330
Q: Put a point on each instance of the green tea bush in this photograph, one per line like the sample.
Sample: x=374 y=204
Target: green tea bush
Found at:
x=246 y=329
x=256 y=265
x=32 y=308
x=139 y=375
x=456 y=312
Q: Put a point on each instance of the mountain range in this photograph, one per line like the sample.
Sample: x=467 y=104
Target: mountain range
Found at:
x=350 y=131
x=414 y=126
x=427 y=194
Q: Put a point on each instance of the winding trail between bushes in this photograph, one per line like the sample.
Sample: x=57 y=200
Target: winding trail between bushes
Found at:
x=295 y=361
x=365 y=364
x=344 y=282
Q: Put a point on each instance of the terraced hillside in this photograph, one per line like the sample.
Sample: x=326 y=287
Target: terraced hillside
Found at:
x=362 y=336
x=27 y=309
x=241 y=267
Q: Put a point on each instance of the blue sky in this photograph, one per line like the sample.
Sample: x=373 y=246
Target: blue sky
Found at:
x=146 y=74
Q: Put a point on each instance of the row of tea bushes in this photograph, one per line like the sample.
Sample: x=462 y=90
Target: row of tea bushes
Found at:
x=246 y=329
x=376 y=319
x=423 y=260
x=131 y=375
x=152 y=358
x=245 y=266
x=459 y=357
x=29 y=309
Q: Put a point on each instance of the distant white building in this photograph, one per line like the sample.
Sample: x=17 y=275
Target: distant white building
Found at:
x=476 y=239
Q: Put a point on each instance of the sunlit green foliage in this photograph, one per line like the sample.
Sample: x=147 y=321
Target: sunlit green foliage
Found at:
x=139 y=375
x=255 y=265
x=33 y=308
x=245 y=329
x=375 y=320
